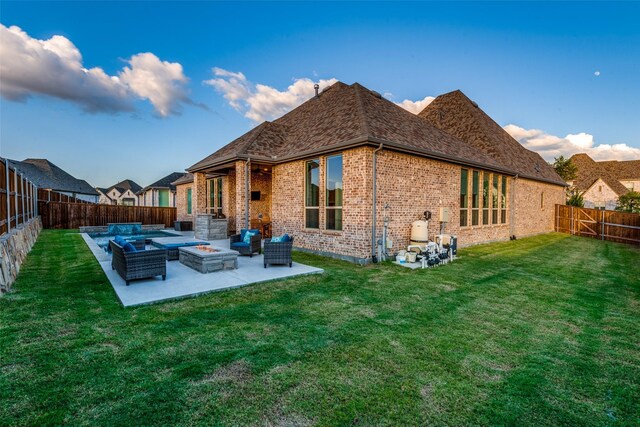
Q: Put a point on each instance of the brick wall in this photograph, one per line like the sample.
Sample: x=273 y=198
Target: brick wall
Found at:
x=407 y=185
x=530 y=216
x=353 y=242
x=181 y=202
x=261 y=181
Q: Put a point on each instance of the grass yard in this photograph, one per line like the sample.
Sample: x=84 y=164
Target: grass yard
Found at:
x=540 y=331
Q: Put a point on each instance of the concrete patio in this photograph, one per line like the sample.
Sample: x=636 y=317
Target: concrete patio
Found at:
x=183 y=282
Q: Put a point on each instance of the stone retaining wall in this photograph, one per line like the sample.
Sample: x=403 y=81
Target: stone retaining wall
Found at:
x=14 y=247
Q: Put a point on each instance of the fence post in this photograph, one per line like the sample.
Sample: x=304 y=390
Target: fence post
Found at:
x=6 y=168
x=15 y=193
x=602 y=226
x=22 y=195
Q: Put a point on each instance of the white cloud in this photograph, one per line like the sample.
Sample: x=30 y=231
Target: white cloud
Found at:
x=415 y=106
x=261 y=102
x=551 y=146
x=597 y=73
x=161 y=82
x=54 y=68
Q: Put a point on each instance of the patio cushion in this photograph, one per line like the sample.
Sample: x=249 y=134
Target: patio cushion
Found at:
x=119 y=240
x=239 y=245
x=244 y=231
x=128 y=247
x=247 y=236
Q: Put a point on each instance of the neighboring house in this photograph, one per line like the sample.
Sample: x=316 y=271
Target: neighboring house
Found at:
x=161 y=193
x=331 y=171
x=602 y=183
x=47 y=176
x=184 y=197
x=122 y=193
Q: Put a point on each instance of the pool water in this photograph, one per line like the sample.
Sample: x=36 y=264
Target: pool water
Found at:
x=102 y=239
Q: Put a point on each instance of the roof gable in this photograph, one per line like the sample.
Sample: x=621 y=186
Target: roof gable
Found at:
x=459 y=116
x=589 y=171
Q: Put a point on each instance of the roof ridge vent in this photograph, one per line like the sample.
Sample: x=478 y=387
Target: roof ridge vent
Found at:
x=475 y=104
x=376 y=94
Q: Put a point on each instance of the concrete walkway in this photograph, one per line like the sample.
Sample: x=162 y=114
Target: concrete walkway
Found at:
x=182 y=281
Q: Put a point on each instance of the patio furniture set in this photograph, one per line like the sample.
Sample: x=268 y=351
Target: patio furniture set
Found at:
x=132 y=261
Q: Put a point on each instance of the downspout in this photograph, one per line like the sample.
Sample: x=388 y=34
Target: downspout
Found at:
x=374 y=257
x=512 y=207
x=247 y=194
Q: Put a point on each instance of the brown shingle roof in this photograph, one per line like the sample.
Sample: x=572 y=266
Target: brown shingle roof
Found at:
x=354 y=115
x=456 y=114
x=185 y=179
x=627 y=169
x=589 y=171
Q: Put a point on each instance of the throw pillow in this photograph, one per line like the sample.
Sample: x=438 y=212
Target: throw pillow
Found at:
x=128 y=247
x=277 y=239
x=247 y=236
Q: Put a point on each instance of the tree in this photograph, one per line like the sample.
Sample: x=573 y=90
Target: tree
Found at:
x=629 y=202
x=576 y=200
x=565 y=168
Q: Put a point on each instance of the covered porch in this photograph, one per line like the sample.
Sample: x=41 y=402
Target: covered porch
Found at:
x=239 y=191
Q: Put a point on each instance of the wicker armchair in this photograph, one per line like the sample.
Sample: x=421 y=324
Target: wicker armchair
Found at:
x=277 y=252
x=236 y=242
x=138 y=265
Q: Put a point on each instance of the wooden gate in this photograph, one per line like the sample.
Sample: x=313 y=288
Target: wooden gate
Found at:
x=599 y=224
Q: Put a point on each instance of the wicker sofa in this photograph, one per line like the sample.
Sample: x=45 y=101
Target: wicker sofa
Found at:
x=236 y=242
x=277 y=252
x=140 y=264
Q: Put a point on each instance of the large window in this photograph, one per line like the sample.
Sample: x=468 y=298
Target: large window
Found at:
x=333 y=195
x=464 y=199
x=214 y=198
x=494 y=200
x=503 y=202
x=312 y=194
x=475 y=196
x=485 y=198
x=188 y=201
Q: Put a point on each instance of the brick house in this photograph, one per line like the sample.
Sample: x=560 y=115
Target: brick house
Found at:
x=602 y=183
x=161 y=193
x=184 y=197
x=122 y=193
x=312 y=173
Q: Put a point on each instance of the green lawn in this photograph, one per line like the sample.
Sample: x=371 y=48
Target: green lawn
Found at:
x=540 y=331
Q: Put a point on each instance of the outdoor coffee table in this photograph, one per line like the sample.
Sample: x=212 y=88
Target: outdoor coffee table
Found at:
x=172 y=244
x=207 y=259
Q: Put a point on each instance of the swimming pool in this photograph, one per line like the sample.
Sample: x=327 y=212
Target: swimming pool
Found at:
x=102 y=239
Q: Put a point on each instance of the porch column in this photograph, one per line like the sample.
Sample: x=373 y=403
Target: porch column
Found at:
x=242 y=216
x=199 y=194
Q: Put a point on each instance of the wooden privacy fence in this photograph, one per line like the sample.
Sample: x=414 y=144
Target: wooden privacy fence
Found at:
x=75 y=215
x=17 y=198
x=599 y=224
x=52 y=196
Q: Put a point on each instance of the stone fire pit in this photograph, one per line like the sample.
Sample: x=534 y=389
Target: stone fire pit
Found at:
x=207 y=259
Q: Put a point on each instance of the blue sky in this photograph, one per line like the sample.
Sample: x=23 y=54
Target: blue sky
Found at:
x=564 y=76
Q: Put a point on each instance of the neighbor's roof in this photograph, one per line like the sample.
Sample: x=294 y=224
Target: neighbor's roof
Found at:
x=622 y=170
x=456 y=114
x=185 y=179
x=166 y=182
x=46 y=175
x=346 y=116
x=125 y=185
x=589 y=171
